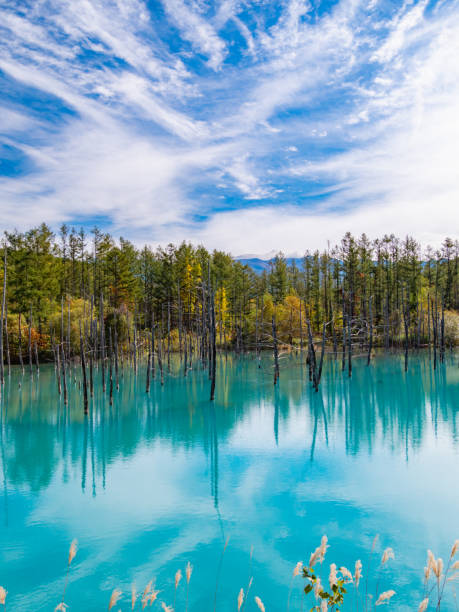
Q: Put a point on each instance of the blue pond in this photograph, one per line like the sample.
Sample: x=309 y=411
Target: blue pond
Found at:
x=160 y=479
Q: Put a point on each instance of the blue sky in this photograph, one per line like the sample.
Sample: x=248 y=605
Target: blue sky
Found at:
x=247 y=125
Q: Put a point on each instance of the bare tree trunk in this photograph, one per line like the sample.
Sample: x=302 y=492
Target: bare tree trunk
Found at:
x=2 y=319
x=405 y=323
x=64 y=377
x=21 y=362
x=322 y=353
x=83 y=368
x=110 y=356
x=213 y=346
x=102 y=340
x=30 y=343
x=147 y=384
x=312 y=358
x=153 y=370
x=275 y=350
x=370 y=339
x=349 y=347
x=7 y=341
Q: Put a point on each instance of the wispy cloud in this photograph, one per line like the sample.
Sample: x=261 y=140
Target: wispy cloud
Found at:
x=303 y=120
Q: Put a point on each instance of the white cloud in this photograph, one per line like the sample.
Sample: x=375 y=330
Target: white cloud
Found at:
x=152 y=132
x=197 y=31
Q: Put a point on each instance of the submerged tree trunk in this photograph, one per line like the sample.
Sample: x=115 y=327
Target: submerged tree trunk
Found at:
x=83 y=368
x=275 y=351
x=370 y=338
x=2 y=319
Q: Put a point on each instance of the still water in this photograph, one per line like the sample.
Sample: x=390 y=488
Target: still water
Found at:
x=158 y=480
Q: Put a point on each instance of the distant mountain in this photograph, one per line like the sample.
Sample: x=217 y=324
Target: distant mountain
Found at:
x=261 y=262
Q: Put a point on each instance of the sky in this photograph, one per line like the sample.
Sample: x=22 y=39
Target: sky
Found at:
x=244 y=125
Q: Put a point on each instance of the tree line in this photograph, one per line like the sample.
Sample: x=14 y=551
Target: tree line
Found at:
x=357 y=295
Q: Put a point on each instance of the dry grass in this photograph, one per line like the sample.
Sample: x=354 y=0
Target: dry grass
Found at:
x=437 y=576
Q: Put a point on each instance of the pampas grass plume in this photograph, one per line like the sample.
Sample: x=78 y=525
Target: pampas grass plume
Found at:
x=423 y=605
x=385 y=597
x=332 y=576
x=178 y=577
x=298 y=568
x=387 y=554
x=133 y=596
x=317 y=588
x=188 y=572
x=167 y=608
x=438 y=568
x=260 y=604
x=319 y=553
x=116 y=594
x=240 y=599
x=3 y=594
x=72 y=551
x=358 y=572
x=454 y=549
x=147 y=589
x=346 y=573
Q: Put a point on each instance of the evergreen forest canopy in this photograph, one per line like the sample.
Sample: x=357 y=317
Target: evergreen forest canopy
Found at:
x=387 y=288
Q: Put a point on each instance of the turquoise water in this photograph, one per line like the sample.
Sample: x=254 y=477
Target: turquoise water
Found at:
x=155 y=481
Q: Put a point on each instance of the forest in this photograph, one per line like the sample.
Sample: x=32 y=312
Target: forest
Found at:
x=361 y=293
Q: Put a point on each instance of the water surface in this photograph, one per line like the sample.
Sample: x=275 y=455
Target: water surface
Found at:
x=157 y=480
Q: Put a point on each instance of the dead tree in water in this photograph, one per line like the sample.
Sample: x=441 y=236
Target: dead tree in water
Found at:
x=343 y=359
x=442 y=331
x=37 y=364
x=370 y=338
x=30 y=343
x=83 y=368
x=312 y=357
x=322 y=353
x=58 y=368
x=153 y=371
x=213 y=346
x=64 y=376
x=147 y=384
x=405 y=312
x=349 y=347
x=21 y=362
x=2 y=373
x=92 y=336
x=160 y=355
x=275 y=351
x=102 y=340
x=110 y=355
x=434 y=314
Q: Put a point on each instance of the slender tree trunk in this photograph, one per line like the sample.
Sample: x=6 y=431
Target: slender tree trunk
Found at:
x=153 y=370
x=147 y=384
x=58 y=368
x=322 y=353
x=21 y=362
x=30 y=343
x=83 y=368
x=370 y=336
x=110 y=365
x=312 y=358
x=102 y=340
x=2 y=319
x=64 y=377
x=349 y=347
x=213 y=347
x=7 y=341
x=275 y=350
